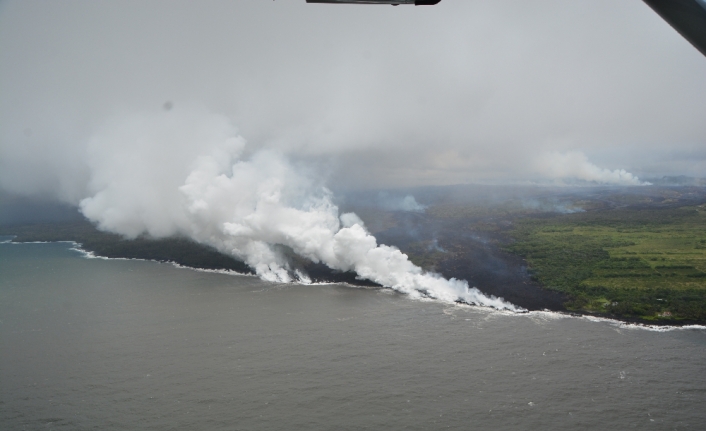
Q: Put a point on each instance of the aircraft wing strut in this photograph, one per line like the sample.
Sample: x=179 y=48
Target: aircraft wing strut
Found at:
x=688 y=17
x=392 y=2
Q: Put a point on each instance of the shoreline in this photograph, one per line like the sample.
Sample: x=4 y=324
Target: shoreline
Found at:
x=628 y=323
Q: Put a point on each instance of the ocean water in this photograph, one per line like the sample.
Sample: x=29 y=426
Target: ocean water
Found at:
x=133 y=345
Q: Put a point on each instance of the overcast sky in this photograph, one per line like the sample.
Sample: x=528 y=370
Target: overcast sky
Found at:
x=374 y=96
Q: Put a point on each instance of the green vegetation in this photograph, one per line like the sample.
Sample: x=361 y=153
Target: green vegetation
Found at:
x=640 y=263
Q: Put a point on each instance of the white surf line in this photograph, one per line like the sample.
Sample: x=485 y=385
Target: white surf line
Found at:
x=33 y=242
x=558 y=315
x=544 y=316
x=77 y=247
x=303 y=280
x=643 y=326
x=210 y=271
x=91 y=255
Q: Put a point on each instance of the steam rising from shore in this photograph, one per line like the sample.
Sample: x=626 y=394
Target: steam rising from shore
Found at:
x=187 y=172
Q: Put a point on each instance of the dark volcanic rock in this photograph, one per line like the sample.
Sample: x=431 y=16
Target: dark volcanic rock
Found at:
x=497 y=273
x=320 y=273
x=475 y=256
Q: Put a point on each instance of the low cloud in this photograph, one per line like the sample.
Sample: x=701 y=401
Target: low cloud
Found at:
x=423 y=96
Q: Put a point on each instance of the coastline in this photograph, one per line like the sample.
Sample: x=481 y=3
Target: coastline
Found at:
x=622 y=322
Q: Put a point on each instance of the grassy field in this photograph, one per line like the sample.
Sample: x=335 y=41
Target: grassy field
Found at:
x=645 y=263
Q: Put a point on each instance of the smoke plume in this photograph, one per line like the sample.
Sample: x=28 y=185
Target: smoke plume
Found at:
x=397 y=203
x=574 y=165
x=187 y=172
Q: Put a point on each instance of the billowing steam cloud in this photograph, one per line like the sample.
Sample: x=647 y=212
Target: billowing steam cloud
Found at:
x=575 y=165
x=187 y=172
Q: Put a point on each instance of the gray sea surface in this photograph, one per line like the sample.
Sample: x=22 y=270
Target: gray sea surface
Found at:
x=134 y=345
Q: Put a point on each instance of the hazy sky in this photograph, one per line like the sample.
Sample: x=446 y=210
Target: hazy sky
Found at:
x=468 y=90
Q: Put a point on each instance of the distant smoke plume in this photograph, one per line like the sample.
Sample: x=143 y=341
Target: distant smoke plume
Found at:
x=188 y=172
x=574 y=165
x=551 y=206
x=397 y=203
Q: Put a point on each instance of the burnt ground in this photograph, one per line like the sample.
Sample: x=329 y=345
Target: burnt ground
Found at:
x=455 y=248
x=494 y=272
x=463 y=230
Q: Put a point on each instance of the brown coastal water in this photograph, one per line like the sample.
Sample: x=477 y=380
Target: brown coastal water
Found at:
x=124 y=345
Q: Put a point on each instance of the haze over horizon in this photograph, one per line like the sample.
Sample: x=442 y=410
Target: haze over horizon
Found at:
x=373 y=96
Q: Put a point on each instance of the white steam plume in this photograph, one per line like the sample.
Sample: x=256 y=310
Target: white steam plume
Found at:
x=184 y=172
x=407 y=203
x=575 y=165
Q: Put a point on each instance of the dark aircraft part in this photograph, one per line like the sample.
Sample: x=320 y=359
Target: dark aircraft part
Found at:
x=688 y=17
x=392 y=2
